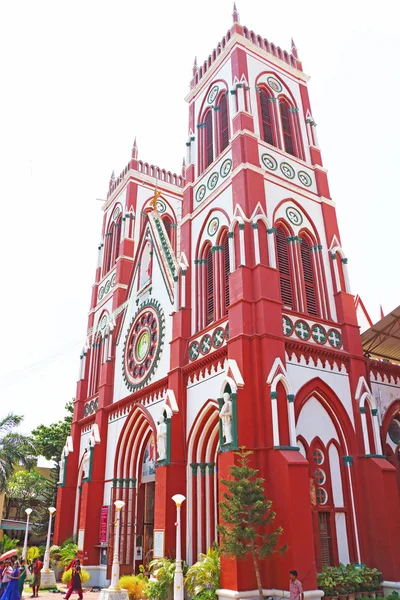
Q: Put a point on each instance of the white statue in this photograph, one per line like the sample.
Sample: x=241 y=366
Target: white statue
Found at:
x=86 y=462
x=162 y=438
x=64 y=454
x=226 y=417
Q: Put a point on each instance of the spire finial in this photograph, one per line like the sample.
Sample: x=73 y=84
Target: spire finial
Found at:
x=381 y=311
x=235 y=14
x=113 y=175
x=195 y=69
x=134 y=149
x=294 y=48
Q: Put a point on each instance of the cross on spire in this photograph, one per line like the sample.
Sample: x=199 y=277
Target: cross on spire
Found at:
x=235 y=14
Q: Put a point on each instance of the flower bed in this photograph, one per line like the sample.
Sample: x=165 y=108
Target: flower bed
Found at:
x=351 y=581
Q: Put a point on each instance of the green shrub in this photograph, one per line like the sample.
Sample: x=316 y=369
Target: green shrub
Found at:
x=349 y=579
x=135 y=585
x=203 y=578
x=162 y=571
x=33 y=552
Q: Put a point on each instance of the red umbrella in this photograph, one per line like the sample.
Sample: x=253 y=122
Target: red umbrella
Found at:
x=9 y=554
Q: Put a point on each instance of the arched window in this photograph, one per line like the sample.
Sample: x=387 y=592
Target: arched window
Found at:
x=225 y=273
x=97 y=350
x=223 y=124
x=108 y=248
x=284 y=267
x=117 y=240
x=308 y=277
x=266 y=118
x=209 y=287
x=288 y=144
x=208 y=140
x=170 y=229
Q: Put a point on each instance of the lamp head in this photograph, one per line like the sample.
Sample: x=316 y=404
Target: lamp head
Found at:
x=178 y=499
x=119 y=504
x=52 y=510
x=28 y=511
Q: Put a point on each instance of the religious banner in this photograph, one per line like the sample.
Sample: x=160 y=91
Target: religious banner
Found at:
x=103 y=525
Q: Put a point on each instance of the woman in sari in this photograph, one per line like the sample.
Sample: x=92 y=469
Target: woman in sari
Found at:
x=12 y=591
x=22 y=576
x=75 y=584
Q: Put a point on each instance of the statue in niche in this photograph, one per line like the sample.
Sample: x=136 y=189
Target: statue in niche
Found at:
x=226 y=418
x=161 y=438
x=64 y=455
x=145 y=266
x=86 y=462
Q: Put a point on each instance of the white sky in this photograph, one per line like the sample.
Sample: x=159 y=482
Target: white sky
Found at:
x=81 y=78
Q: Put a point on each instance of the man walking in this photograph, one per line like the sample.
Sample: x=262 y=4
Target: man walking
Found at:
x=296 y=589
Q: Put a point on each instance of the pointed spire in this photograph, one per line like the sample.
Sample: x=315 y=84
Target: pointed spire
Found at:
x=235 y=14
x=382 y=314
x=113 y=175
x=183 y=167
x=195 y=68
x=134 y=149
x=294 y=49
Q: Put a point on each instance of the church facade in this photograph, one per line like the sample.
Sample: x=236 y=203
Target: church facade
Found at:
x=221 y=316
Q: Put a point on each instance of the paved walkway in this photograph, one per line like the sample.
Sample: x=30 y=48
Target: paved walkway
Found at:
x=46 y=595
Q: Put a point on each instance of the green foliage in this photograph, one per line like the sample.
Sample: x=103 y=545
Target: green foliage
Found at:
x=203 y=578
x=349 y=579
x=162 y=571
x=50 y=439
x=7 y=544
x=33 y=552
x=15 y=448
x=25 y=488
x=247 y=516
x=68 y=553
x=135 y=585
x=67 y=576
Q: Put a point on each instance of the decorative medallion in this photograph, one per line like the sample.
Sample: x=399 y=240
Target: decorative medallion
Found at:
x=96 y=404
x=304 y=178
x=287 y=170
x=101 y=292
x=116 y=213
x=161 y=206
x=294 y=215
x=225 y=167
x=334 y=338
x=194 y=350
x=113 y=279
x=227 y=332
x=274 y=84
x=213 y=226
x=205 y=344
x=302 y=330
x=103 y=322
x=143 y=345
x=201 y=192
x=212 y=180
x=269 y=162
x=318 y=334
x=394 y=430
x=213 y=93
x=86 y=410
x=107 y=287
x=287 y=325
x=218 y=337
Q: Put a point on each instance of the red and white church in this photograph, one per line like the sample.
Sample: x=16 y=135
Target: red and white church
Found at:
x=221 y=316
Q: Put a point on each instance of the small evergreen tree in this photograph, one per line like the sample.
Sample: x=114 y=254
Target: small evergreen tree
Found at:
x=247 y=517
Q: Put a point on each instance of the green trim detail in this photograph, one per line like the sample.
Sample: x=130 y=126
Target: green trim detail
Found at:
x=374 y=456
x=334 y=256
x=374 y=412
x=194 y=468
x=290 y=397
x=362 y=410
x=241 y=226
x=345 y=261
x=230 y=235
x=254 y=225
x=274 y=395
x=347 y=460
x=211 y=467
x=271 y=230
x=286 y=448
x=202 y=468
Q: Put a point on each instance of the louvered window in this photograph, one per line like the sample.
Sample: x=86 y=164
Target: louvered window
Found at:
x=287 y=129
x=285 y=274
x=224 y=129
x=208 y=138
x=309 y=278
x=226 y=272
x=108 y=249
x=266 y=118
x=210 y=288
x=325 y=538
x=117 y=238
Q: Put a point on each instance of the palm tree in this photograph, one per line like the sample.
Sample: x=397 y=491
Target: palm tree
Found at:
x=15 y=448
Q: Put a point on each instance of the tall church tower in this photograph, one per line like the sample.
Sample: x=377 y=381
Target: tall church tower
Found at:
x=222 y=317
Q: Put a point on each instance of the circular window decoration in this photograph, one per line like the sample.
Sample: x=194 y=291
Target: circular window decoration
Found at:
x=304 y=178
x=103 y=322
x=205 y=344
x=319 y=476
x=302 y=330
x=91 y=407
x=318 y=457
x=269 y=162
x=96 y=404
x=227 y=332
x=334 y=338
x=161 y=206
x=212 y=180
x=225 y=167
x=201 y=192
x=143 y=345
x=287 y=170
x=294 y=215
x=318 y=334
x=194 y=350
x=394 y=430
x=321 y=495
x=287 y=325
x=101 y=292
x=107 y=287
x=274 y=84
x=86 y=410
x=218 y=337
x=212 y=227
x=113 y=279
x=212 y=94
x=116 y=212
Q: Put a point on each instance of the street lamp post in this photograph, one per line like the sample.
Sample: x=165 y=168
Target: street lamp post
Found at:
x=25 y=548
x=46 y=562
x=119 y=504
x=178 y=577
